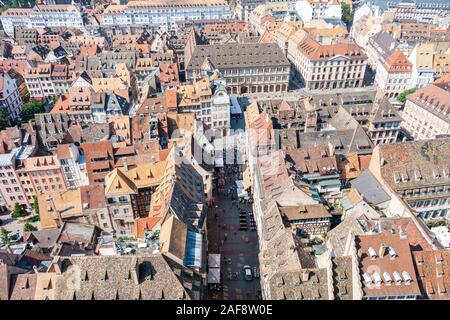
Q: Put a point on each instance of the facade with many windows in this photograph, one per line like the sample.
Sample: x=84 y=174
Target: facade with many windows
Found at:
x=246 y=68
x=39 y=82
x=10 y=98
x=330 y=66
x=418 y=172
x=426 y=112
x=164 y=14
x=10 y=186
x=41 y=16
x=45 y=173
x=394 y=74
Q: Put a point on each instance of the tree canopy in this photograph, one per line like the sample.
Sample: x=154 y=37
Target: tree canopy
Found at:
x=18 y=211
x=402 y=96
x=347 y=15
x=30 y=108
x=3 y=119
x=4 y=236
x=29 y=227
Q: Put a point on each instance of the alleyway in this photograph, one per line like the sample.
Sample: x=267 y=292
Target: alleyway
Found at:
x=235 y=246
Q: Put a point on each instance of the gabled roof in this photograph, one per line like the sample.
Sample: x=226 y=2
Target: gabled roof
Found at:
x=316 y=51
x=397 y=62
x=117 y=183
x=118 y=277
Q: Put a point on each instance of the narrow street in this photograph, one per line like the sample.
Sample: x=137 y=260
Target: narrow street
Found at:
x=241 y=246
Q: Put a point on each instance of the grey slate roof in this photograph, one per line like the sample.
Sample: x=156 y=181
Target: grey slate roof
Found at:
x=369 y=187
x=44 y=238
x=385 y=42
x=234 y=55
x=338 y=236
x=342 y=278
x=188 y=211
x=344 y=141
x=306 y=284
x=117 y=278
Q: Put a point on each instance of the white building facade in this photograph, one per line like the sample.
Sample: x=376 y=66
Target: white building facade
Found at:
x=10 y=99
x=163 y=14
x=393 y=75
x=220 y=107
x=318 y=9
x=41 y=16
x=426 y=113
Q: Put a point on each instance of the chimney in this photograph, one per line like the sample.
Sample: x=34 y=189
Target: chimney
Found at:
x=125 y=164
x=35 y=269
x=56 y=263
x=403 y=234
x=382 y=250
x=305 y=276
x=330 y=149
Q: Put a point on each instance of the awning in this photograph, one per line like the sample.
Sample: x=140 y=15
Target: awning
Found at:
x=214 y=260
x=240 y=189
x=214 y=275
x=218 y=162
x=193 y=253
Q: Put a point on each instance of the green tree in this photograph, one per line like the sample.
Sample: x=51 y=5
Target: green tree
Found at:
x=4 y=236
x=18 y=211
x=35 y=204
x=31 y=108
x=29 y=227
x=3 y=119
x=347 y=15
x=402 y=96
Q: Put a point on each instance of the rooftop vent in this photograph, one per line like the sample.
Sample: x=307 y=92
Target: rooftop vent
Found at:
x=372 y=253
x=407 y=277
x=398 y=279
x=387 y=278
x=377 y=278
x=367 y=279
x=392 y=253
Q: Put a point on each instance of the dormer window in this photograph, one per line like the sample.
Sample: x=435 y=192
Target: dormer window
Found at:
x=392 y=253
x=417 y=175
x=387 y=278
x=367 y=279
x=398 y=279
x=377 y=278
x=407 y=277
x=372 y=253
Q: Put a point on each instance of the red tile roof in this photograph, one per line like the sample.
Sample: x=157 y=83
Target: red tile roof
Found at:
x=316 y=51
x=397 y=62
x=383 y=266
x=433 y=268
x=142 y=224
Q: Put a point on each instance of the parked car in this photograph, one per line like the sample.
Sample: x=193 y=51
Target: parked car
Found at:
x=248 y=273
